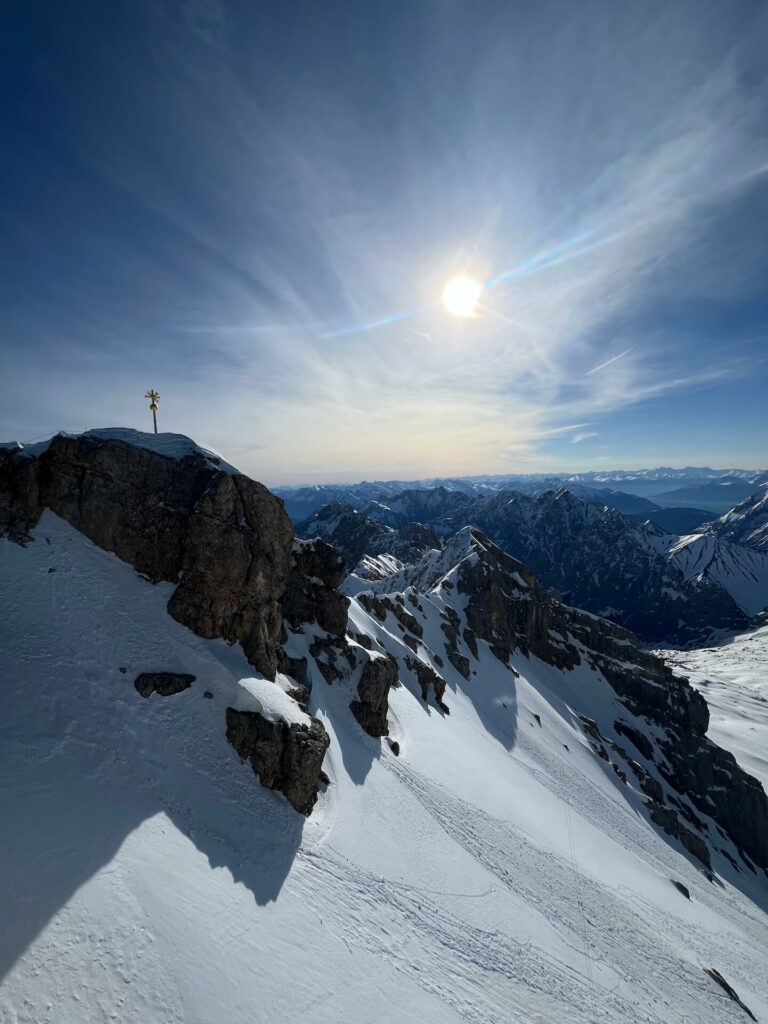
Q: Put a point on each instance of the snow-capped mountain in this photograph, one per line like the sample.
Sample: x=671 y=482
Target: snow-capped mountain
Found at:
x=617 y=489
x=663 y=587
x=745 y=524
x=515 y=811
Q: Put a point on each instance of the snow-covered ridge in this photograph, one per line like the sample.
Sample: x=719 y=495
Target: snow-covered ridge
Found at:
x=745 y=524
x=741 y=571
x=171 y=446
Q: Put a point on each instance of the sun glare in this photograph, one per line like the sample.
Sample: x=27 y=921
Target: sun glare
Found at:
x=460 y=296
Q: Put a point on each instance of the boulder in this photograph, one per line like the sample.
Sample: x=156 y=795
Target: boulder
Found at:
x=165 y=684
x=378 y=676
x=286 y=756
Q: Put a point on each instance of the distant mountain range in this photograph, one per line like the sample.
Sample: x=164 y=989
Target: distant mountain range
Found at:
x=666 y=587
x=683 y=498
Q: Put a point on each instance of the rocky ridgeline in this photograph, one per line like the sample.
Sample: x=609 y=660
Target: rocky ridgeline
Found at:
x=590 y=555
x=653 y=733
x=228 y=546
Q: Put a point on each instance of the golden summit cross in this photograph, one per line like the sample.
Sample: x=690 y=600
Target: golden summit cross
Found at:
x=154 y=398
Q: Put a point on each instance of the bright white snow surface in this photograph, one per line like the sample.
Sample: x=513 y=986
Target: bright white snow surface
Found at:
x=486 y=875
x=733 y=677
x=172 y=446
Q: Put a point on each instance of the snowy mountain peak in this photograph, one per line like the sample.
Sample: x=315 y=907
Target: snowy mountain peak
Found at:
x=171 y=446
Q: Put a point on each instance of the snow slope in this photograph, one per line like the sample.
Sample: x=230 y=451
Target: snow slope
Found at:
x=734 y=680
x=495 y=872
x=746 y=524
x=741 y=571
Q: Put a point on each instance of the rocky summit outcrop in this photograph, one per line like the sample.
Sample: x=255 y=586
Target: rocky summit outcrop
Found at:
x=223 y=538
x=287 y=756
x=177 y=513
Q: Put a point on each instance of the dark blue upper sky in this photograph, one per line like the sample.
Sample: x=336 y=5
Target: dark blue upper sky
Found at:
x=237 y=203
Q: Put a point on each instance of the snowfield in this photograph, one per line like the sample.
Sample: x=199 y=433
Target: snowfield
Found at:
x=733 y=678
x=495 y=872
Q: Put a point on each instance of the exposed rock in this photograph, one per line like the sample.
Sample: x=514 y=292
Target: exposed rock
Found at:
x=356 y=534
x=235 y=569
x=312 y=593
x=719 y=787
x=285 y=756
x=596 y=558
x=506 y=606
x=227 y=535
x=377 y=606
x=376 y=680
x=717 y=976
x=301 y=695
x=666 y=818
x=641 y=742
x=326 y=652
x=165 y=684
x=681 y=888
x=394 y=746
x=411 y=624
x=427 y=678
x=294 y=667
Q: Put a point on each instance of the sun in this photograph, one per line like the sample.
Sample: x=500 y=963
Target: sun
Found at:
x=460 y=296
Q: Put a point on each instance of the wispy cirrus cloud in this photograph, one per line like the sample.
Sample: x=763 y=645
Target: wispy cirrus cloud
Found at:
x=302 y=215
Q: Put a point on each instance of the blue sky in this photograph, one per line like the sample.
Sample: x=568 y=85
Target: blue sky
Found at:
x=236 y=203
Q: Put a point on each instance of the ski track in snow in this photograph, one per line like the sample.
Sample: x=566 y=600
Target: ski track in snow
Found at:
x=164 y=885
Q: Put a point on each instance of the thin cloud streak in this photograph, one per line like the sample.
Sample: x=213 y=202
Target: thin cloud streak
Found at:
x=613 y=359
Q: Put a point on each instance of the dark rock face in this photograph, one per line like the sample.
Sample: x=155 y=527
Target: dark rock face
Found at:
x=165 y=684
x=227 y=534
x=592 y=556
x=379 y=675
x=286 y=756
x=356 y=534
x=719 y=787
x=667 y=819
x=350 y=531
x=235 y=568
x=428 y=679
x=312 y=593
